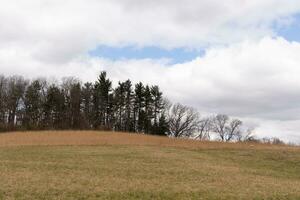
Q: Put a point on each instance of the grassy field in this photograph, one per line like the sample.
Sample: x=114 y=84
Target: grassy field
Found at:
x=102 y=165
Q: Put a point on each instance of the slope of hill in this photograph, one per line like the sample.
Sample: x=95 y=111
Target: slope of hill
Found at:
x=105 y=165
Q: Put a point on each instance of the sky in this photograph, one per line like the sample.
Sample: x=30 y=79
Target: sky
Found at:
x=238 y=57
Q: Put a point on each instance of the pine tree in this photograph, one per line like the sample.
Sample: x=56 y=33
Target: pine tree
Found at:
x=33 y=103
x=119 y=104
x=102 y=102
x=54 y=109
x=128 y=106
x=157 y=102
x=139 y=103
x=75 y=106
x=163 y=126
x=148 y=110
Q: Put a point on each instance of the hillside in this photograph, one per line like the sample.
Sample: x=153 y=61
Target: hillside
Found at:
x=106 y=165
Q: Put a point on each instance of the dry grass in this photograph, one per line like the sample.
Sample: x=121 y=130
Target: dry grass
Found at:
x=91 y=138
x=105 y=165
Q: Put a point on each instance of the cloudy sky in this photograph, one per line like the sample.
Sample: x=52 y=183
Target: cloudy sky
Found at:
x=239 y=57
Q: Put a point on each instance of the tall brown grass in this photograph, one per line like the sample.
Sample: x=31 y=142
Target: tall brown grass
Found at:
x=87 y=138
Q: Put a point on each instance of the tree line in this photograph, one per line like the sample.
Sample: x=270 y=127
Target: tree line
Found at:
x=140 y=108
x=38 y=105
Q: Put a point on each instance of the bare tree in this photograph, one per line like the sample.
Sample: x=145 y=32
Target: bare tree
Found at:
x=3 y=86
x=272 y=140
x=246 y=135
x=226 y=128
x=233 y=130
x=204 y=128
x=70 y=86
x=15 y=93
x=219 y=125
x=183 y=121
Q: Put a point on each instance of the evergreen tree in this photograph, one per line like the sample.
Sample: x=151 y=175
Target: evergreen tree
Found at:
x=101 y=98
x=148 y=113
x=163 y=126
x=75 y=106
x=119 y=104
x=54 y=108
x=139 y=103
x=157 y=102
x=33 y=105
x=128 y=106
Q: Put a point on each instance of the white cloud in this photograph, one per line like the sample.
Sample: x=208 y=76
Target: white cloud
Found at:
x=58 y=31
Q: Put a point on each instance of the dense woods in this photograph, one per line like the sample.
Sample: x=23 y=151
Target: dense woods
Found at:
x=37 y=104
x=41 y=105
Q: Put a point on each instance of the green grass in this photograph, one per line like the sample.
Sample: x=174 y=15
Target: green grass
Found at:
x=147 y=172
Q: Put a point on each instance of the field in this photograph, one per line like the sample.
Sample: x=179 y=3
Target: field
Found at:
x=105 y=165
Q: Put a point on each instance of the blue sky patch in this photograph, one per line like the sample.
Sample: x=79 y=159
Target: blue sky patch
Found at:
x=179 y=55
x=291 y=32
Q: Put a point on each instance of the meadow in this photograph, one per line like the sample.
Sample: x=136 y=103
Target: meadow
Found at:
x=107 y=165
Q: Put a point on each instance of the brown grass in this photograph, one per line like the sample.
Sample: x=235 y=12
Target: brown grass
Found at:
x=92 y=138
x=107 y=165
